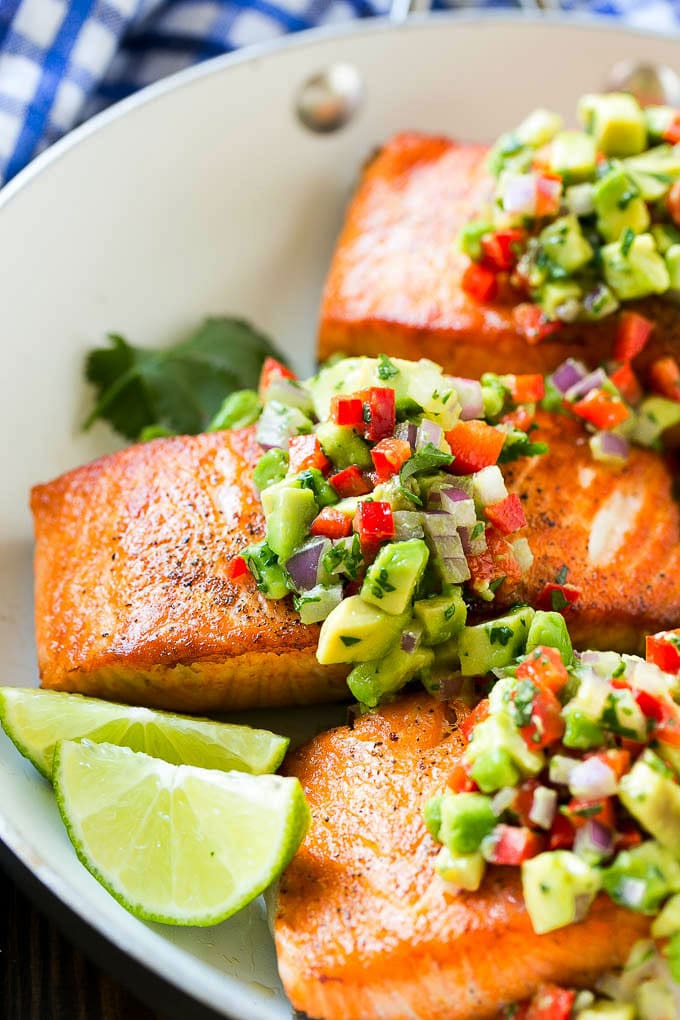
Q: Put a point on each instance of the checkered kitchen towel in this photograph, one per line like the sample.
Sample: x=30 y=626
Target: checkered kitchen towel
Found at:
x=63 y=60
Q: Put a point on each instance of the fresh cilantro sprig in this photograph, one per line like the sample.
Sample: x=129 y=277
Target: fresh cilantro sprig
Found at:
x=180 y=387
x=428 y=458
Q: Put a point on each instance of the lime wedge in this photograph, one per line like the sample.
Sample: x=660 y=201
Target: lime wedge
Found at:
x=175 y=843
x=35 y=720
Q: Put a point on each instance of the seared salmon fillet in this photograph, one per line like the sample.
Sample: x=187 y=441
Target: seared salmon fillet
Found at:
x=132 y=597
x=366 y=930
x=617 y=530
x=394 y=281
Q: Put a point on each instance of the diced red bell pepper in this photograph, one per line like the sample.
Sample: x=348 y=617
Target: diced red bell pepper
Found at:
x=673 y=203
x=558 y=598
x=305 y=452
x=663 y=649
x=664 y=377
x=632 y=334
x=581 y=811
x=548 y=194
x=332 y=523
x=523 y=802
x=374 y=523
x=672 y=132
x=561 y=836
x=532 y=323
x=475 y=445
x=546 y=726
x=603 y=410
x=507 y=515
x=500 y=251
x=521 y=418
x=513 y=844
x=236 y=568
x=272 y=369
x=347 y=411
x=478 y=714
x=551 y=1003
x=525 y=389
x=350 y=482
x=496 y=563
x=664 y=713
x=627 y=383
x=628 y=836
x=388 y=456
x=479 y=282
x=459 y=780
x=651 y=707
x=544 y=667
x=617 y=759
x=380 y=412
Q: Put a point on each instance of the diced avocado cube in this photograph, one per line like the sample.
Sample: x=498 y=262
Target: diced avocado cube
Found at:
x=668 y=921
x=642 y=877
x=561 y=300
x=395 y=574
x=499 y=731
x=470 y=238
x=652 y=187
x=343 y=446
x=442 y=616
x=466 y=819
x=653 y=416
x=357 y=632
x=665 y=236
x=494 y=769
x=618 y=205
x=556 y=885
x=267 y=571
x=289 y=513
x=622 y=715
x=565 y=245
x=655 y=1000
x=578 y=199
x=608 y=1011
x=634 y=268
x=238 y=410
x=432 y=812
x=662 y=161
x=654 y=799
x=598 y=303
x=573 y=155
x=509 y=150
x=550 y=629
x=539 y=128
x=313 y=479
x=318 y=603
x=616 y=122
x=494 y=643
x=279 y=422
x=657 y=121
x=581 y=731
x=672 y=260
x=371 y=682
x=465 y=871
x=270 y=468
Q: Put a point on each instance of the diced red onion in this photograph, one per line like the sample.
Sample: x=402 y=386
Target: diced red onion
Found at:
x=591 y=779
x=408 y=431
x=561 y=768
x=455 y=570
x=592 y=381
x=579 y=199
x=428 y=432
x=543 y=807
x=568 y=374
x=582 y=903
x=608 y=446
x=410 y=639
x=321 y=604
x=523 y=554
x=519 y=194
x=469 y=395
x=472 y=546
x=303 y=566
x=632 y=892
x=450 y=686
x=438 y=522
x=454 y=495
x=594 y=840
x=407 y=524
x=502 y=800
x=459 y=505
x=288 y=392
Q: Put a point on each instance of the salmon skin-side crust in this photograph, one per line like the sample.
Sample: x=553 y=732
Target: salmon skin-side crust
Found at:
x=364 y=927
x=615 y=529
x=394 y=285
x=132 y=597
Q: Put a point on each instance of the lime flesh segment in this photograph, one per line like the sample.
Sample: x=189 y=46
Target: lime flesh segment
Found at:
x=35 y=720
x=175 y=843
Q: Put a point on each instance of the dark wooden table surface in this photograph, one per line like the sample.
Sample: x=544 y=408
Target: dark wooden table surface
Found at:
x=43 y=977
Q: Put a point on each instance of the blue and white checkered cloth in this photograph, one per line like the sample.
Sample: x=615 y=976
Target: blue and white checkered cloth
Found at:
x=62 y=61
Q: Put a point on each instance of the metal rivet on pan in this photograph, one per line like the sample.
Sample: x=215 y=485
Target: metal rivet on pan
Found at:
x=653 y=85
x=328 y=100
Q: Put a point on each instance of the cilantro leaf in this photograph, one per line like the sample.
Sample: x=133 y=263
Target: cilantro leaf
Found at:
x=425 y=459
x=518 y=444
x=180 y=387
x=386 y=368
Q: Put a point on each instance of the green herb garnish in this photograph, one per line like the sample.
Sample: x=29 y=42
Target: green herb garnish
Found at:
x=426 y=459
